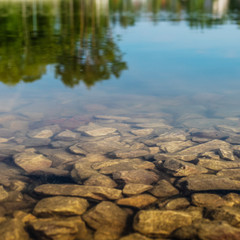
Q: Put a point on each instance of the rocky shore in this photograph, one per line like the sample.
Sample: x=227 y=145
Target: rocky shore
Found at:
x=119 y=178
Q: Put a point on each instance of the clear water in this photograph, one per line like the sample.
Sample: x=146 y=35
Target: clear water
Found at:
x=67 y=58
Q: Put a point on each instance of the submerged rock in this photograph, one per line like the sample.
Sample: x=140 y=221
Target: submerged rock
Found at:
x=134 y=188
x=100 y=131
x=94 y=192
x=138 y=201
x=160 y=222
x=135 y=236
x=13 y=230
x=60 y=206
x=3 y=194
x=60 y=229
x=30 y=161
x=174 y=146
x=139 y=176
x=100 y=180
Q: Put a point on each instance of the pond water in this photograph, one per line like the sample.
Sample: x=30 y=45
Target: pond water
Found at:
x=122 y=103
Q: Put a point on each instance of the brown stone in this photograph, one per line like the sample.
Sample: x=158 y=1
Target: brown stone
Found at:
x=134 y=188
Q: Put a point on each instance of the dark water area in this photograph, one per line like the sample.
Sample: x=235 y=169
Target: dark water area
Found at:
x=119 y=119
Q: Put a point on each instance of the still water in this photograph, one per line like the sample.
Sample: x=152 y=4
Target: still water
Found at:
x=119 y=119
x=137 y=54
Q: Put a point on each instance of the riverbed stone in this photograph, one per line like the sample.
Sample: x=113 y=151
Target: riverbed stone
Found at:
x=217 y=165
x=135 y=236
x=174 y=146
x=142 y=132
x=44 y=132
x=3 y=194
x=82 y=171
x=226 y=154
x=179 y=168
x=172 y=135
x=108 y=215
x=60 y=206
x=30 y=161
x=92 y=192
x=159 y=223
x=138 y=201
x=163 y=189
x=128 y=153
x=140 y=176
x=177 y=204
x=13 y=229
x=59 y=228
x=67 y=135
x=208 y=230
x=225 y=213
x=100 y=131
x=182 y=157
x=231 y=173
x=134 y=188
x=233 y=199
x=211 y=182
x=208 y=200
x=208 y=146
x=100 y=180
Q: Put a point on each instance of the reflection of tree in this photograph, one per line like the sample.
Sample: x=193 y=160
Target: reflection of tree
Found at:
x=68 y=34
x=75 y=35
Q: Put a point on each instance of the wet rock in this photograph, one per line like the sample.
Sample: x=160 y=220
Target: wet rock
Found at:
x=142 y=132
x=93 y=192
x=3 y=194
x=93 y=158
x=210 y=134
x=235 y=139
x=228 y=129
x=122 y=165
x=231 y=173
x=109 y=117
x=200 y=140
x=172 y=135
x=182 y=157
x=44 y=132
x=138 y=201
x=67 y=135
x=226 y=154
x=217 y=165
x=131 y=153
x=135 y=236
x=207 y=230
x=177 y=204
x=13 y=230
x=180 y=169
x=76 y=149
x=153 y=150
x=60 y=229
x=4 y=140
x=134 y=189
x=208 y=146
x=36 y=142
x=174 y=146
x=233 y=199
x=60 y=206
x=100 y=131
x=210 y=155
x=158 y=223
x=62 y=144
x=100 y=180
x=139 y=176
x=225 y=213
x=82 y=171
x=207 y=183
x=9 y=149
x=106 y=215
x=208 y=200
x=24 y=216
x=17 y=185
x=50 y=172
x=164 y=189
x=30 y=161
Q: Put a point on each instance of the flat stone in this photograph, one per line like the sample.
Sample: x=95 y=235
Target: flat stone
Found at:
x=235 y=139
x=31 y=161
x=138 y=201
x=208 y=200
x=100 y=180
x=13 y=230
x=226 y=154
x=204 y=147
x=142 y=132
x=159 y=223
x=11 y=148
x=210 y=134
x=134 y=189
x=44 y=132
x=231 y=173
x=135 y=236
x=217 y=165
x=67 y=135
x=50 y=172
x=59 y=229
x=109 y=117
x=181 y=157
x=3 y=140
x=200 y=183
x=177 y=204
x=233 y=199
x=207 y=230
x=101 y=131
x=95 y=158
x=82 y=171
x=174 y=146
x=172 y=135
x=60 y=206
x=106 y=214
x=180 y=169
x=164 y=189
x=139 y=176
x=3 y=194
x=225 y=213
x=76 y=149
x=93 y=192
x=36 y=142
x=131 y=153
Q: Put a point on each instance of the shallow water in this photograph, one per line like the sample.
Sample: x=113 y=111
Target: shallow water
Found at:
x=92 y=90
